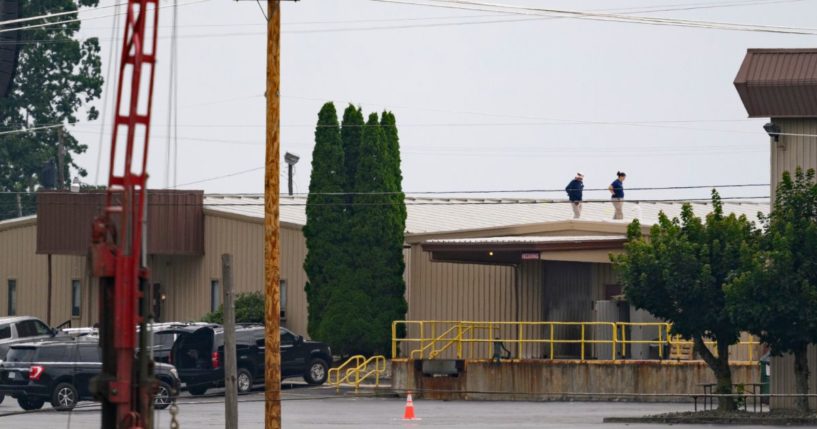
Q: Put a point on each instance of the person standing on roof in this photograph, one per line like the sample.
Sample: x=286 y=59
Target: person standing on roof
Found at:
x=617 y=193
x=574 y=193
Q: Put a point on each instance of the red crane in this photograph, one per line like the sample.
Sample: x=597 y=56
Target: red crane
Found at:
x=125 y=386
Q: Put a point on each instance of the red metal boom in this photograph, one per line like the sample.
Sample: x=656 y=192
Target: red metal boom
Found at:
x=125 y=389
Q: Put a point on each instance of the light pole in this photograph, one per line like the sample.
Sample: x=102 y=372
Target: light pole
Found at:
x=291 y=159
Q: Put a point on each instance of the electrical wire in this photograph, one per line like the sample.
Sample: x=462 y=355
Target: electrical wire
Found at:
x=113 y=58
x=606 y=17
x=54 y=15
x=68 y=21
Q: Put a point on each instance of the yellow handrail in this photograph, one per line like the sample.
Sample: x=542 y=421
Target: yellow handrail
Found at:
x=470 y=339
x=361 y=366
x=355 y=360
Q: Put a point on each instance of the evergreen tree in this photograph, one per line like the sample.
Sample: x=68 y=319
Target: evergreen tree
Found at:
x=324 y=231
x=378 y=246
x=351 y=132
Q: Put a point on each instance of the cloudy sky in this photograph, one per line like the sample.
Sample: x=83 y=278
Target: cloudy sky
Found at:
x=484 y=100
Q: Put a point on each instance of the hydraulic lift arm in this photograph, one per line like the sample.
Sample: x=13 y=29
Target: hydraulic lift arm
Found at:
x=125 y=385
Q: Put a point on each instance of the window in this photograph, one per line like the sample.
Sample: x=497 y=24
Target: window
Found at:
x=5 y=332
x=76 y=295
x=283 y=299
x=89 y=354
x=287 y=338
x=32 y=328
x=12 y=298
x=55 y=354
x=215 y=295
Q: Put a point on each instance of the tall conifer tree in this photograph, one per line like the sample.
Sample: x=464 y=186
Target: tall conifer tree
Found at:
x=325 y=263
x=351 y=131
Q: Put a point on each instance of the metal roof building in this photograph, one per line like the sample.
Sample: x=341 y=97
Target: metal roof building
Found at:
x=781 y=84
x=449 y=274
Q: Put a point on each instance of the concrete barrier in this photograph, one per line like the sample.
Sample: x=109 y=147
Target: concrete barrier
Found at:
x=537 y=380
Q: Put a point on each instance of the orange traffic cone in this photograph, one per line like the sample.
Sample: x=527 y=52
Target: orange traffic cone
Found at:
x=409 y=413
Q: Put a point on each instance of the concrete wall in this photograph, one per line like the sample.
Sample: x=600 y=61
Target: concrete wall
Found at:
x=543 y=380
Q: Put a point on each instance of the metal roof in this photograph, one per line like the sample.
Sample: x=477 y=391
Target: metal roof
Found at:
x=431 y=215
x=779 y=83
x=528 y=239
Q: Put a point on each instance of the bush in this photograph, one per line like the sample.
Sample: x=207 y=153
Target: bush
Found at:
x=249 y=308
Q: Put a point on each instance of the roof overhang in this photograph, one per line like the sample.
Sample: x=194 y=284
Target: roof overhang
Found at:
x=515 y=250
x=779 y=83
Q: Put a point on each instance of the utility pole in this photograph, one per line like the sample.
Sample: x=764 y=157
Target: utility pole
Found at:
x=61 y=161
x=230 y=365
x=272 y=268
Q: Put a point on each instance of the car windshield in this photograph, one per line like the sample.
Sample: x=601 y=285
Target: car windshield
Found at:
x=20 y=354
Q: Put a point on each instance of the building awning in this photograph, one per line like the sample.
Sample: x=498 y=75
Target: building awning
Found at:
x=513 y=250
x=779 y=83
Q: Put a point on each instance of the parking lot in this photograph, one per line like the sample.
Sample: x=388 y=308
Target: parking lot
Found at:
x=320 y=407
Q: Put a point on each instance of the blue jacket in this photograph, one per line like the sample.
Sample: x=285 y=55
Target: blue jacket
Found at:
x=618 y=189
x=574 y=190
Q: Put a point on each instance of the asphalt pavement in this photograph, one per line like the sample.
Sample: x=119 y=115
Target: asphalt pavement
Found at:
x=320 y=407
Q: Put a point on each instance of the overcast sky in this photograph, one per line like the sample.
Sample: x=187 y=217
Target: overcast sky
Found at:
x=480 y=105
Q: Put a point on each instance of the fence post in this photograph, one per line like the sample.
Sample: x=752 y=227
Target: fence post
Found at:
x=521 y=334
x=459 y=340
x=394 y=339
x=582 y=342
x=551 y=340
x=614 y=346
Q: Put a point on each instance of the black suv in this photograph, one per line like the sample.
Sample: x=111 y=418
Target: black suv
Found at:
x=199 y=355
x=60 y=372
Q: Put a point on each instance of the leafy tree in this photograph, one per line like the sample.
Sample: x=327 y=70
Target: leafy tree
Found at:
x=351 y=132
x=249 y=308
x=776 y=296
x=679 y=274
x=56 y=75
x=325 y=231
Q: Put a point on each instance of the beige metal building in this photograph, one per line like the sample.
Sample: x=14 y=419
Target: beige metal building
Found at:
x=466 y=259
x=781 y=84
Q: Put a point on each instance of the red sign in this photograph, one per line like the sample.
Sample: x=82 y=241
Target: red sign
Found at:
x=530 y=256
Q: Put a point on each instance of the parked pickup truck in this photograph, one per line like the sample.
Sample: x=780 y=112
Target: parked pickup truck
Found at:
x=16 y=329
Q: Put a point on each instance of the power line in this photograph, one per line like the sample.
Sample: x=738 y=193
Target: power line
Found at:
x=601 y=16
x=68 y=21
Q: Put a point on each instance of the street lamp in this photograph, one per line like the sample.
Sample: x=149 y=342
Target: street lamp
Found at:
x=773 y=130
x=291 y=159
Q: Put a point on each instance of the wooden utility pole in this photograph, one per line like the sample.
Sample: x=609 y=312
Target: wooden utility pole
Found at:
x=272 y=267
x=230 y=365
x=61 y=161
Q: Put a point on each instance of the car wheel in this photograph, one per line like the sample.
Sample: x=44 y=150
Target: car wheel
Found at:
x=243 y=381
x=30 y=404
x=65 y=397
x=163 y=396
x=197 y=390
x=316 y=371
x=2 y=396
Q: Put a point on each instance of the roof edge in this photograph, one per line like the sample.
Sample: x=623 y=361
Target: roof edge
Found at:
x=18 y=222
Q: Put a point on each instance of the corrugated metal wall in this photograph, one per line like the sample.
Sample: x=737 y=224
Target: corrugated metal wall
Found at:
x=187 y=280
x=793 y=151
x=782 y=379
x=788 y=154
x=19 y=262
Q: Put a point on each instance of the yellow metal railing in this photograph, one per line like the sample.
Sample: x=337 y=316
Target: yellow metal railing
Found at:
x=429 y=339
x=357 y=369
